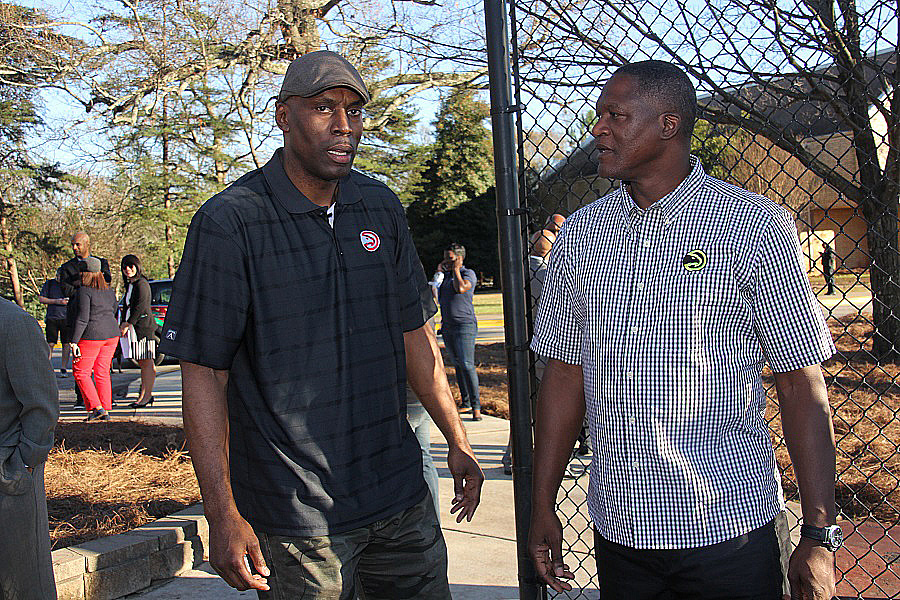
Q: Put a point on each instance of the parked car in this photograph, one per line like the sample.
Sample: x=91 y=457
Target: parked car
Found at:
x=160 y=292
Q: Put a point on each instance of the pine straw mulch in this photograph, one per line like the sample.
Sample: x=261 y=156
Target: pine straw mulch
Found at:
x=865 y=403
x=107 y=478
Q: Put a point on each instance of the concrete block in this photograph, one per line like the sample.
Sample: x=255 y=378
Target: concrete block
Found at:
x=200 y=550
x=67 y=564
x=71 y=588
x=117 y=581
x=195 y=513
x=169 y=531
x=114 y=550
x=171 y=561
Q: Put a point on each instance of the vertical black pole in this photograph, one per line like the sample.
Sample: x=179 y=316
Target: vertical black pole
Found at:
x=512 y=277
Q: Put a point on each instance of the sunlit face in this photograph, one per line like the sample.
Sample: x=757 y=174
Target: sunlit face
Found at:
x=322 y=132
x=81 y=246
x=129 y=271
x=627 y=131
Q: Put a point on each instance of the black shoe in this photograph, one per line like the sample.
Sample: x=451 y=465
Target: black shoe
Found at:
x=147 y=402
x=507 y=470
x=78 y=404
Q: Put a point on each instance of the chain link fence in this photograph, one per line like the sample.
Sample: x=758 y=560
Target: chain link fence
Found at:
x=797 y=103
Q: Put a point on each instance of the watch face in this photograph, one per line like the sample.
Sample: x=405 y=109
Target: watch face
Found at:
x=834 y=537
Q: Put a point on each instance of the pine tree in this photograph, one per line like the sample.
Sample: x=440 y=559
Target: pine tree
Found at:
x=459 y=171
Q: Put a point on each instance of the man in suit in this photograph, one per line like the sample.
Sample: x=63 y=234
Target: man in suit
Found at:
x=29 y=408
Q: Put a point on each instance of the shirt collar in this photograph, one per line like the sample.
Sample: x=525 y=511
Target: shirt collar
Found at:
x=293 y=199
x=672 y=203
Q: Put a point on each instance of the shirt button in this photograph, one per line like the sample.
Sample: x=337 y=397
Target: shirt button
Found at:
x=630 y=374
x=646 y=243
x=636 y=464
x=634 y=329
x=640 y=285
x=632 y=420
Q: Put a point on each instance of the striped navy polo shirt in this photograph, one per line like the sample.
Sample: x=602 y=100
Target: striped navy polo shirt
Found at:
x=308 y=319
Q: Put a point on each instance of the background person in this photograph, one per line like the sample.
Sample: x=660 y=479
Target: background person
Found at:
x=70 y=280
x=29 y=408
x=55 y=325
x=459 y=326
x=94 y=339
x=137 y=317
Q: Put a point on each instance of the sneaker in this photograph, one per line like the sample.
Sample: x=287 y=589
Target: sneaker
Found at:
x=98 y=414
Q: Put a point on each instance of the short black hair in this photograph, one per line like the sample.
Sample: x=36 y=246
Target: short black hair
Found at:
x=669 y=86
x=457 y=249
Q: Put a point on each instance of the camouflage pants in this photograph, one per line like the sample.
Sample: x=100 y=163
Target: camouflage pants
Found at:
x=400 y=557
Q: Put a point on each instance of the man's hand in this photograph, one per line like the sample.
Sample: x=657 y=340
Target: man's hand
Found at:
x=811 y=572
x=231 y=541
x=76 y=352
x=467 y=481
x=545 y=548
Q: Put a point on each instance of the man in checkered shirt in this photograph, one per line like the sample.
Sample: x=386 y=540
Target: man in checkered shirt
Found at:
x=663 y=301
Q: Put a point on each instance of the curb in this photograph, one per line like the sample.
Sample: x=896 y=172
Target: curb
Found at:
x=115 y=566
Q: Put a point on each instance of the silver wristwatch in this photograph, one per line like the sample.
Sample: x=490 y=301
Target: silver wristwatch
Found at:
x=831 y=537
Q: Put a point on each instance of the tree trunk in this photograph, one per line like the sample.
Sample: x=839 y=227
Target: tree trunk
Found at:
x=12 y=269
x=884 y=273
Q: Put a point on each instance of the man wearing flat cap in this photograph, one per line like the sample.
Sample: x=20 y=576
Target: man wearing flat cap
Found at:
x=299 y=313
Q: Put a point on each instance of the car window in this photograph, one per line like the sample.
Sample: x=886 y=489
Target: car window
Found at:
x=161 y=293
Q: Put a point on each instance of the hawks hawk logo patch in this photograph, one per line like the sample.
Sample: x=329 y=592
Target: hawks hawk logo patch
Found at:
x=370 y=240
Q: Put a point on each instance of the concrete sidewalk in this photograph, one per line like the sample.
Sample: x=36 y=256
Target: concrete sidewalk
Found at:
x=482 y=554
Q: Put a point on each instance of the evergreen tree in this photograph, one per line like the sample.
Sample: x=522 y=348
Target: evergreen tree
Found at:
x=459 y=171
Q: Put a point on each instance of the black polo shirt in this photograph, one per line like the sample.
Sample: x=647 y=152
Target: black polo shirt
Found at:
x=309 y=321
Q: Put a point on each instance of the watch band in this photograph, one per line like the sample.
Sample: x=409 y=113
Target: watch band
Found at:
x=831 y=537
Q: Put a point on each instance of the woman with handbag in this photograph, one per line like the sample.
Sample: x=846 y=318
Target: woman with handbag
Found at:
x=139 y=326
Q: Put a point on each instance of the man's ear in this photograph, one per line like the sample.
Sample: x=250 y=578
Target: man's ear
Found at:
x=281 y=117
x=670 y=125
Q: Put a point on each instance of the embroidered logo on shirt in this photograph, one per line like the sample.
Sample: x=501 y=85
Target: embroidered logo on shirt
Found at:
x=171 y=333
x=694 y=260
x=370 y=240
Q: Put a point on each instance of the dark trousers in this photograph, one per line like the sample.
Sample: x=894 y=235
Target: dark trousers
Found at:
x=747 y=567
x=460 y=343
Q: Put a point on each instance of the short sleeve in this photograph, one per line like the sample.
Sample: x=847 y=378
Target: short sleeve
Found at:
x=45 y=289
x=210 y=302
x=559 y=324
x=787 y=317
x=417 y=300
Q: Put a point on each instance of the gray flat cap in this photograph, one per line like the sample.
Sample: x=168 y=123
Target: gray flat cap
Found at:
x=318 y=71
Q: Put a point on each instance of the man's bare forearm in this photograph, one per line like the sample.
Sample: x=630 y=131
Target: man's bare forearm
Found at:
x=205 y=410
x=809 y=434
x=560 y=413
x=426 y=376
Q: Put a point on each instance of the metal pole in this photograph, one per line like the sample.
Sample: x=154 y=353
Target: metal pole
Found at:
x=512 y=277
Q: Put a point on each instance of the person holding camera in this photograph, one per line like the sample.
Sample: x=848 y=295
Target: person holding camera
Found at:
x=459 y=325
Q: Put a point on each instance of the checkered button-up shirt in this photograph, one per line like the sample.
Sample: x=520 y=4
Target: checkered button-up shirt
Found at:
x=672 y=312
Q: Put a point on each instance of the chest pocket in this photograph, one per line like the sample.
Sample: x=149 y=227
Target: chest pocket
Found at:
x=702 y=277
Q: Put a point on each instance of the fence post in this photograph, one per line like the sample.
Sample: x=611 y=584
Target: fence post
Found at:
x=512 y=277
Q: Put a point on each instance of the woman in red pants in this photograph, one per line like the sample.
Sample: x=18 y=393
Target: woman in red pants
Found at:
x=94 y=338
